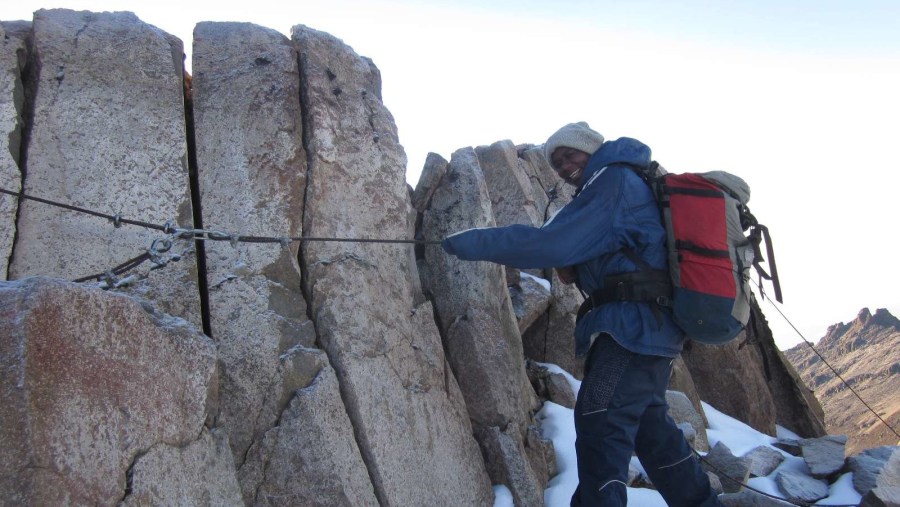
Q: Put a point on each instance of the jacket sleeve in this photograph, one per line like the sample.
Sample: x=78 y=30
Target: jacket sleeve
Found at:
x=581 y=230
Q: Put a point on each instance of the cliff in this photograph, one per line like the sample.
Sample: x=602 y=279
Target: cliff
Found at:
x=328 y=382
x=208 y=353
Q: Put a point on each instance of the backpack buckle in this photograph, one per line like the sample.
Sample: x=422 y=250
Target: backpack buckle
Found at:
x=664 y=301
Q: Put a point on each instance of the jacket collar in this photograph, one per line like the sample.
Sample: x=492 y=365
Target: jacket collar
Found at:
x=623 y=150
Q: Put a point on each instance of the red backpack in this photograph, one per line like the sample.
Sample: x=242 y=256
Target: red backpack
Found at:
x=712 y=241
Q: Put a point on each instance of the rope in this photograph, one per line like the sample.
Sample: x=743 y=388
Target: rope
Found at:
x=833 y=370
x=118 y=270
x=212 y=235
x=117 y=220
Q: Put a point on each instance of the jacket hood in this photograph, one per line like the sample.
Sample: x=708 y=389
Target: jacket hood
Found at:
x=623 y=150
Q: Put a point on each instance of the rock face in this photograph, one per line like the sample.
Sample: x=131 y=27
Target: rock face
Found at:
x=90 y=380
x=479 y=327
x=750 y=380
x=108 y=135
x=202 y=473
x=12 y=101
x=371 y=319
x=309 y=457
x=252 y=178
x=375 y=418
x=864 y=353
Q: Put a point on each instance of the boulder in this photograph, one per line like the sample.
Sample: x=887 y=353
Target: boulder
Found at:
x=732 y=470
x=682 y=410
x=513 y=197
x=868 y=465
x=108 y=135
x=715 y=483
x=476 y=315
x=560 y=390
x=553 y=387
x=541 y=454
x=890 y=474
x=682 y=381
x=824 y=456
x=472 y=302
x=89 y=381
x=551 y=338
x=799 y=487
x=507 y=462
x=370 y=316
x=530 y=298
x=886 y=492
x=764 y=460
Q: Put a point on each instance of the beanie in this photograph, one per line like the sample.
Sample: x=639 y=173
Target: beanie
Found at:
x=574 y=135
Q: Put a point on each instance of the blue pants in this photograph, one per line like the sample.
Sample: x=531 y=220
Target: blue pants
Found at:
x=621 y=409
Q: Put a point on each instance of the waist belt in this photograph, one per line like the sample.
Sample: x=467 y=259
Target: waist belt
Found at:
x=646 y=286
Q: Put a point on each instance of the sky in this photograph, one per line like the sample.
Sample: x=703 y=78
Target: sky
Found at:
x=801 y=98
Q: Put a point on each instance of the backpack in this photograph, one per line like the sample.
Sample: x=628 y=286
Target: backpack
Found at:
x=712 y=241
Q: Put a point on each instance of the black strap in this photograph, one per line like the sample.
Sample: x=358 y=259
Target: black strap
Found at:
x=647 y=285
x=757 y=235
x=706 y=252
x=696 y=192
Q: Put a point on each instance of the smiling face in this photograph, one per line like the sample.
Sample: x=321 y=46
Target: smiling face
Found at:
x=569 y=164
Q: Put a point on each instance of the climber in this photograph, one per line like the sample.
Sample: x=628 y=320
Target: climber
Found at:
x=629 y=346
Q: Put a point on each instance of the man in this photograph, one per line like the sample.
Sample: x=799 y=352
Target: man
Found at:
x=609 y=237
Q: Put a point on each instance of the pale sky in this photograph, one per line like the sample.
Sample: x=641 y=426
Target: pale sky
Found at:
x=800 y=98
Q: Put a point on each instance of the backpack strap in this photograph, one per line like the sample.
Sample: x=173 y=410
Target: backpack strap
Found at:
x=647 y=285
x=759 y=234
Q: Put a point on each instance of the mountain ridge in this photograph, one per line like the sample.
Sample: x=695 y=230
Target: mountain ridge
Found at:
x=865 y=356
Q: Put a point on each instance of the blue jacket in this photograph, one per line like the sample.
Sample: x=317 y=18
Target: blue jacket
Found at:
x=613 y=208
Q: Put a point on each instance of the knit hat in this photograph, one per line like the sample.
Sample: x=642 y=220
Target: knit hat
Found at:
x=574 y=135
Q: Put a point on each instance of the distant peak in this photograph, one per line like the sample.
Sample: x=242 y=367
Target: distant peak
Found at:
x=865 y=322
x=864 y=315
x=884 y=318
